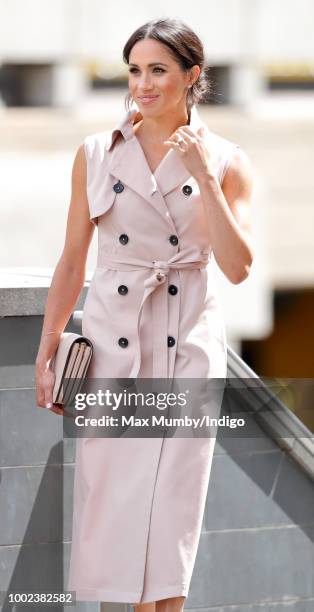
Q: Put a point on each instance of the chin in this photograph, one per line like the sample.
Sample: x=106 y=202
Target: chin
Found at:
x=150 y=112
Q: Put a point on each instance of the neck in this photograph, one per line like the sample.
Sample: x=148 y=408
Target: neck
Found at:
x=161 y=127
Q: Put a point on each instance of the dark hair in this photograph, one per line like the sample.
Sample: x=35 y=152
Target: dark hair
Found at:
x=185 y=47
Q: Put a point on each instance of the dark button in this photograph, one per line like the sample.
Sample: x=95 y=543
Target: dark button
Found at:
x=173 y=289
x=118 y=187
x=171 y=341
x=124 y=239
x=187 y=190
x=123 y=342
x=123 y=289
x=173 y=239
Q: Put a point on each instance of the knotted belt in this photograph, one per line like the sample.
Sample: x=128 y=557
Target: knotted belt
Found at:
x=156 y=286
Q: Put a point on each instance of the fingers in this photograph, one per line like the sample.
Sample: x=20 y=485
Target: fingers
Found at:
x=57 y=409
x=201 y=131
x=186 y=132
x=175 y=146
x=172 y=143
x=50 y=406
x=183 y=138
x=48 y=400
x=44 y=390
x=176 y=138
x=48 y=395
x=178 y=141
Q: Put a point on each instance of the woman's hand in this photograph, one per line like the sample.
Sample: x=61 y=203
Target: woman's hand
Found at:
x=193 y=152
x=44 y=380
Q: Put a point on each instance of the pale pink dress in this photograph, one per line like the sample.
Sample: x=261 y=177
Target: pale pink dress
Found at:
x=139 y=503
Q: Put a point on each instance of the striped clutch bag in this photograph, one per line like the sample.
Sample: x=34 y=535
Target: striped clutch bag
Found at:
x=70 y=365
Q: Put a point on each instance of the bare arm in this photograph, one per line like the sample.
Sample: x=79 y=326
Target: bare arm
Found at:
x=227 y=207
x=229 y=217
x=68 y=278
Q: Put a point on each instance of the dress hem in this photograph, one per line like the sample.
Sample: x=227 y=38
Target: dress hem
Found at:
x=129 y=597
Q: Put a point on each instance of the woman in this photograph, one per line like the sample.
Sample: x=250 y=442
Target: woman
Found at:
x=166 y=193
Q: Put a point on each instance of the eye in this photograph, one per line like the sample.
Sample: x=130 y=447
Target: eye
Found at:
x=133 y=69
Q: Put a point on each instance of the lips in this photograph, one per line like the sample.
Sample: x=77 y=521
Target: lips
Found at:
x=148 y=98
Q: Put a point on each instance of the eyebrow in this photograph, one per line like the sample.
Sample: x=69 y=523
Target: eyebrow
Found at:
x=152 y=64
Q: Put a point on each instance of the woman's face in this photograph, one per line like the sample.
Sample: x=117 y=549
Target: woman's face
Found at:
x=156 y=81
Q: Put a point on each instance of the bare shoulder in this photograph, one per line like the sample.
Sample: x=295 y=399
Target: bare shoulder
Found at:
x=79 y=229
x=79 y=166
x=237 y=187
x=239 y=174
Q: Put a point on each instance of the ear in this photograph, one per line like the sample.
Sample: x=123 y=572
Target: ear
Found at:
x=194 y=73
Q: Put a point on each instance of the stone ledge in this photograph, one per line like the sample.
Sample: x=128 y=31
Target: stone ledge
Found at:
x=23 y=290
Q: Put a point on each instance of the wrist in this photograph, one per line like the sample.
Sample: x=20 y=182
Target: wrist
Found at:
x=42 y=363
x=46 y=351
x=207 y=178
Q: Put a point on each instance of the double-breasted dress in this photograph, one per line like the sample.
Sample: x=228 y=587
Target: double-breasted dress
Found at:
x=151 y=310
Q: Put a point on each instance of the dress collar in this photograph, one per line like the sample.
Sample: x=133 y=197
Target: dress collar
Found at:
x=125 y=126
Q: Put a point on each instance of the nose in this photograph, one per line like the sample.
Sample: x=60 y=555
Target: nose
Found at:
x=145 y=81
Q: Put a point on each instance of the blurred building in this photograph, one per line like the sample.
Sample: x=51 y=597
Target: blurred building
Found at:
x=52 y=52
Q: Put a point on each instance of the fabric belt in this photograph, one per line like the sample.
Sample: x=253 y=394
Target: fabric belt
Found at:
x=156 y=286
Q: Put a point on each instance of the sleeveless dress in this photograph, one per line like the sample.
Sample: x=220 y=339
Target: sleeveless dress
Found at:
x=151 y=311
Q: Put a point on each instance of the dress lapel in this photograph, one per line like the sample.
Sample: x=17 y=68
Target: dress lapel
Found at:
x=127 y=163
